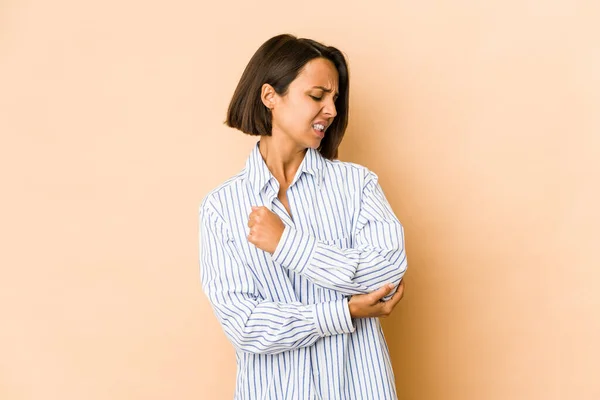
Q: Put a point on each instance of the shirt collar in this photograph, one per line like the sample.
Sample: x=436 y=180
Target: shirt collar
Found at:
x=258 y=173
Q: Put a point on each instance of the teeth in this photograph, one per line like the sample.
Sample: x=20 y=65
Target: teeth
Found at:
x=319 y=127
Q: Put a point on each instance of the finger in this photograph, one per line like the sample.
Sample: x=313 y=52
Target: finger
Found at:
x=255 y=211
x=258 y=209
x=397 y=296
x=401 y=286
x=400 y=289
x=265 y=211
x=251 y=222
x=381 y=292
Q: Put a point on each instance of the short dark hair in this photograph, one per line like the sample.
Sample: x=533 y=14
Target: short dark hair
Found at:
x=278 y=62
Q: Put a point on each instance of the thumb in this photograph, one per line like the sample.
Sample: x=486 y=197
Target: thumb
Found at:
x=382 y=292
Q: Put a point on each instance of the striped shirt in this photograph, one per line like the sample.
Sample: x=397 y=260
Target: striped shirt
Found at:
x=287 y=313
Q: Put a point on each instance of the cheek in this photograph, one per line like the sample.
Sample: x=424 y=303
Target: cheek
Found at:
x=294 y=115
x=306 y=111
x=298 y=115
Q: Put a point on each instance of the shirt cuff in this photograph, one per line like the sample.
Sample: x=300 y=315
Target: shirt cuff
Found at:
x=333 y=317
x=294 y=250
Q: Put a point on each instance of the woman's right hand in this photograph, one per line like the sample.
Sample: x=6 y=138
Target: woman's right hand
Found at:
x=370 y=304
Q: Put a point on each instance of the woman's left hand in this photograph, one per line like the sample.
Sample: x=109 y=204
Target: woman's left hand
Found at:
x=266 y=229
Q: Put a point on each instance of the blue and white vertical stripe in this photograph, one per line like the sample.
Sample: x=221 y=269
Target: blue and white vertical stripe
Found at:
x=287 y=313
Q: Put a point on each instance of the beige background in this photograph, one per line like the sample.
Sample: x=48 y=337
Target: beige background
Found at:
x=480 y=117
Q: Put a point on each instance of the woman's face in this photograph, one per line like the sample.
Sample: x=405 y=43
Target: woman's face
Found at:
x=304 y=113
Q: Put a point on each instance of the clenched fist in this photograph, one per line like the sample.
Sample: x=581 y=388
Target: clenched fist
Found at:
x=266 y=229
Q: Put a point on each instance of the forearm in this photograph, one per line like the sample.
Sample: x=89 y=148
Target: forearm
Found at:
x=270 y=327
x=348 y=271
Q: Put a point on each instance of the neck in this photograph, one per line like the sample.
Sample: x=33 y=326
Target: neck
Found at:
x=282 y=158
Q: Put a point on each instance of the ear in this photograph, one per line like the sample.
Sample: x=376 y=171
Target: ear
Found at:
x=268 y=96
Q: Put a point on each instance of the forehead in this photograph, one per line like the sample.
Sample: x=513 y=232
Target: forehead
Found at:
x=318 y=72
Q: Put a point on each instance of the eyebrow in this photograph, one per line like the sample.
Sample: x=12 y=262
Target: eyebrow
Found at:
x=325 y=89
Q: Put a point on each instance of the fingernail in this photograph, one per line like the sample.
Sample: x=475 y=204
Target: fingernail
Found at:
x=391 y=285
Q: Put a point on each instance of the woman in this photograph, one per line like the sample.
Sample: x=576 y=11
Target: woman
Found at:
x=300 y=253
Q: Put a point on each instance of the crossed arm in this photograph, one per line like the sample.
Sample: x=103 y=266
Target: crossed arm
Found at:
x=378 y=256
x=256 y=325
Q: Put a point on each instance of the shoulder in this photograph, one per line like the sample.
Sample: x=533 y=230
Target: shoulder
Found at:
x=214 y=201
x=352 y=173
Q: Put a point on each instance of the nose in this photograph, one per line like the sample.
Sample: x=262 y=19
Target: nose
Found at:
x=329 y=108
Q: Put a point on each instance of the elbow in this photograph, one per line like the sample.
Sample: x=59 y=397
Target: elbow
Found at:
x=399 y=259
x=241 y=345
x=250 y=342
x=254 y=345
x=401 y=266
x=240 y=338
x=243 y=342
x=260 y=343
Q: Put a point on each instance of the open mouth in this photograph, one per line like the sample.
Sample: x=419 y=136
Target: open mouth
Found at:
x=319 y=130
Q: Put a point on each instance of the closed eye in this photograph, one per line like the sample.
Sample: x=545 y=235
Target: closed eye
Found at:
x=316 y=98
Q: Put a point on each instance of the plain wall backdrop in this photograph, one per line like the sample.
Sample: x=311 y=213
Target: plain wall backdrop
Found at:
x=481 y=119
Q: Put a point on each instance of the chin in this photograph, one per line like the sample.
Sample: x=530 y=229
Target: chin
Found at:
x=315 y=144
x=310 y=143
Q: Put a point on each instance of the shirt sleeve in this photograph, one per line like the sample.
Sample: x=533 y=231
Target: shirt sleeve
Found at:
x=250 y=322
x=376 y=258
